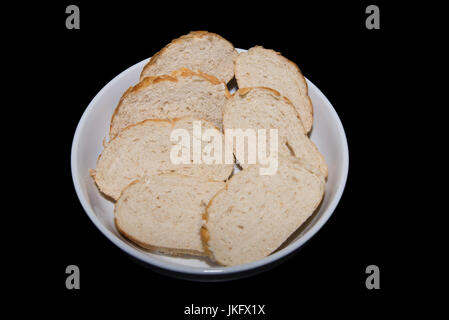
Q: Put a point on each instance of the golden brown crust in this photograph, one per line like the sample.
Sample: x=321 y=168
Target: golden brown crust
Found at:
x=243 y=91
x=185 y=72
x=173 y=77
x=190 y=35
x=145 y=82
x=204 y=233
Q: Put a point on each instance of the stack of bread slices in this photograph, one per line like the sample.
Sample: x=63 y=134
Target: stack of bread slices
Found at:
x=208 y=209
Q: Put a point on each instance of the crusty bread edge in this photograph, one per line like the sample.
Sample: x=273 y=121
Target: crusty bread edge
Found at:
x=190 y=35
x=173 y=77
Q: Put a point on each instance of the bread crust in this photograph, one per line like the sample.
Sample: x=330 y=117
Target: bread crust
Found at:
x=191 y=35
x=173 y=77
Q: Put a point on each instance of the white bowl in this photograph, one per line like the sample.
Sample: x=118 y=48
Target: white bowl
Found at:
x=327 y=133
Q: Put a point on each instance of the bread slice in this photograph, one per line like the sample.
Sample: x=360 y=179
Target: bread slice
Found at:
x=164 y=212
x=183 y=93
x=144 y=149
x=255 y=214
x=198 y=50
x=265 y=108
x=260 y=67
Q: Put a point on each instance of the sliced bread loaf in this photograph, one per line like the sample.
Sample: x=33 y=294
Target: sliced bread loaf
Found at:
x=264 y=108
x=183 y=93
x=255 y=214
x=260 y=67
x=144 y=149
x=199 y=50
x=164 y=212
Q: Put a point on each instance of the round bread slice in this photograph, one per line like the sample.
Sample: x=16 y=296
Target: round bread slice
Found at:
x=264 y=108
x=199 y=50
x=260 y=67
x=255 y=214
x=181 y=94
x=164 y=212
x=144 y=149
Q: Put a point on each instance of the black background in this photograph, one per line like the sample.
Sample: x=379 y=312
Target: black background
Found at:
x=357 y=69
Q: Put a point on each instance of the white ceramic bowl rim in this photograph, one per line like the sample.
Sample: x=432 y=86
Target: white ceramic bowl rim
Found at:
x=215 y=270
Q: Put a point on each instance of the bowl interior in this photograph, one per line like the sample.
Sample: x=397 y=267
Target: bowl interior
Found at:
x=327 y=134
